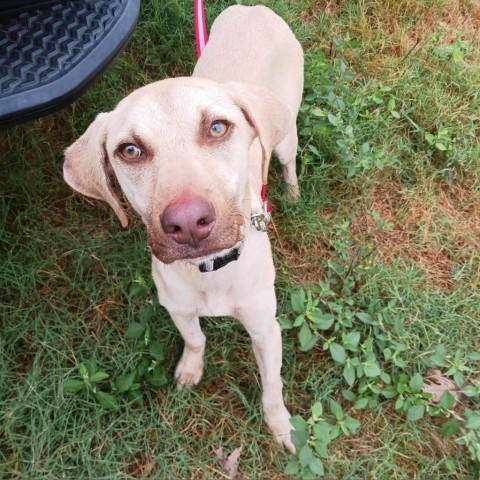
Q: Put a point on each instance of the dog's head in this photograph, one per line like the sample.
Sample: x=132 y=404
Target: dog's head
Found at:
x=180 y=151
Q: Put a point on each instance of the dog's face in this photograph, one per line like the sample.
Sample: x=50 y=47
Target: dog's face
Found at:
x=180 y=151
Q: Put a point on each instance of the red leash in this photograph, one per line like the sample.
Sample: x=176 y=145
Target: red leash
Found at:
x=263 y=194
x=201 y=34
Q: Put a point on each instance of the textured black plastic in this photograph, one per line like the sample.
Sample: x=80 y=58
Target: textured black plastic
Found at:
x=8 y=7
x=49 y=55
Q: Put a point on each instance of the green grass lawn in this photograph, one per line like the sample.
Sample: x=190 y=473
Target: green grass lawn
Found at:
x=388 y=221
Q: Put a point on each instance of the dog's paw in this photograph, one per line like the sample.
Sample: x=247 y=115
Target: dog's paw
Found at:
x=286 y=441
x=188 y=372
x=292 y=192
x=279 y=424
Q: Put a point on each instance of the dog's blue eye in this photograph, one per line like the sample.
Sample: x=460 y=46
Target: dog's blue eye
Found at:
x=131 y=152
x=218 y=129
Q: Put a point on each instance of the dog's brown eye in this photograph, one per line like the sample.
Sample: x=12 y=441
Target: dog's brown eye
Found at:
x=131 y=152
x=218 y=129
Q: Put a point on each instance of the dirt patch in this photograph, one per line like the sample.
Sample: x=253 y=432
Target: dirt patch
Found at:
x=405 y=25
x=462 y=16
x=437 y=229
x=304 y=264
x=460 y=20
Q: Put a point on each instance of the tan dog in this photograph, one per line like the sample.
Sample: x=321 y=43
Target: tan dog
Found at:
x=191 y=155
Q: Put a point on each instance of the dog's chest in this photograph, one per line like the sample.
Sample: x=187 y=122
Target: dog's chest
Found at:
x=183 y=289
x=194 y=293
x=215 y=303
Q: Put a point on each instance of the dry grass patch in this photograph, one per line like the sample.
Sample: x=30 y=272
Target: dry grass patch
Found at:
x=407 y=23
x=325 y=7
x=302 y=263
x=437 y=229
x=142 y=466
x=394 y=28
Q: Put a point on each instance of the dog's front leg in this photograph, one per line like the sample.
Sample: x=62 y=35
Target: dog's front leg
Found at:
x=189 y=370
x=259 y=320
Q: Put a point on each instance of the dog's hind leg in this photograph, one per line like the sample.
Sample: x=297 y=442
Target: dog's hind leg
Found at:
x=259 y=320
x=286 y=152
x=189 y=370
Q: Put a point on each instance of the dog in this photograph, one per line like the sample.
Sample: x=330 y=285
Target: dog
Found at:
x=191 y=155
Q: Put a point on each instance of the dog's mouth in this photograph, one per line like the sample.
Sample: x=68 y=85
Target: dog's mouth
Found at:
x=168 y=252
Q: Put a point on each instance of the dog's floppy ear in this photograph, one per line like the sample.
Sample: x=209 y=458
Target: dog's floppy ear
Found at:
x=86 y=166
x=267 y=114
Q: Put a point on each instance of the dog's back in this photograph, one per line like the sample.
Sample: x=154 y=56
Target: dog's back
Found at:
x=254 y=45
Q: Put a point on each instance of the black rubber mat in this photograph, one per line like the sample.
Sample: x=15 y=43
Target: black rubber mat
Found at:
x=49 y=55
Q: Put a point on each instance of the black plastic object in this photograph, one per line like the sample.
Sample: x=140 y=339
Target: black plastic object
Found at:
x=13 y=6
x=49 y=55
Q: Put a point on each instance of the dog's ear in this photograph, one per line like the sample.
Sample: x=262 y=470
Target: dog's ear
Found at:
x=86 y=167
x=266 y=113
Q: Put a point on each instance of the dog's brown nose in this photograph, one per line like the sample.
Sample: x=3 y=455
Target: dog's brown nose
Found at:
x=189 y=219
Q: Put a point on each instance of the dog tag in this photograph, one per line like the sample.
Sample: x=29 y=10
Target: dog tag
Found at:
x=261 y=220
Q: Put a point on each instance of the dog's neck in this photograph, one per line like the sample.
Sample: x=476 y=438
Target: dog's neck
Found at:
x=216 y=263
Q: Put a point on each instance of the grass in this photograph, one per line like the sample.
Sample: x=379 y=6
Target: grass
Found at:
x=67 y=270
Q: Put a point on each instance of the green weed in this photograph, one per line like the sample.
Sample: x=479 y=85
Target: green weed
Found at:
x=145 y=369
x=366 y=337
